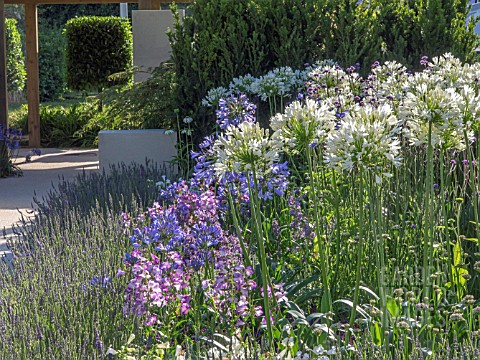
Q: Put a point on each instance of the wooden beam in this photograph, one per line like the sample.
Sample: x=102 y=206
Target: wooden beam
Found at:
x=33 y=98
x=3 y=70
x=149 y=4
x=66 y=2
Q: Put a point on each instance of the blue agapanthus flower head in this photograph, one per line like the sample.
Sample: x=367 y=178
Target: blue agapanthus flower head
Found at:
x=234 y=110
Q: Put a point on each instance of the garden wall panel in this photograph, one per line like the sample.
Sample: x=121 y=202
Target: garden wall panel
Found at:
x=151 y=46
x=127 y=146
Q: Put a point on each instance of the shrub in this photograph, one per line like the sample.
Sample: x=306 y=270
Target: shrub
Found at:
x=16 y=74
x=61 y=125
x=51 y=61
x=220 y=40
x=97 y=47
x=413 y=29
x=148 y=104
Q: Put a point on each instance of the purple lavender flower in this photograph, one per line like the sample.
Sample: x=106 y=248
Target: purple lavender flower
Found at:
x=11 y=137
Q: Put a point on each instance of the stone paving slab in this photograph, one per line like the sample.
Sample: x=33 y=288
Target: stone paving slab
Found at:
x=39 y=175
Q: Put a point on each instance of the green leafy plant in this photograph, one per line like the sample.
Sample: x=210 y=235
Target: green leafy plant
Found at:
x=52 y=67
x=63 y=125
x=148 y=104
x=16 y=74
x=97 y=47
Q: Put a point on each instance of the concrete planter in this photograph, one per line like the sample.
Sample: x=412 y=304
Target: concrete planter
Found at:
x=135 y=146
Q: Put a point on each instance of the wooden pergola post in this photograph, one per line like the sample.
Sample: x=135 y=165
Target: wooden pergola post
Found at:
x=3 y=69
x=33 y=97
x=4 y=157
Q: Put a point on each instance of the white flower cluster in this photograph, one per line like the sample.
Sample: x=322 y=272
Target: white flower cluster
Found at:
x=303 y=124
x=357 y=122
x=282 y=81
x=245 y=148
x=388 y=80
x=214 y=96
x=443 y=98
x=279 y=82
x=329 y=75
x=367 y=137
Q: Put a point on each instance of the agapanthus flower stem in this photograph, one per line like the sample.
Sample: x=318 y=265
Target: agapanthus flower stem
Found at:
x=445 y=218
x=361 y=206
x=376 y=220
x=326 y=298
x=428 y=231
x=261 y=252
x=246 y=257
x=338 y=227
x=473 y=185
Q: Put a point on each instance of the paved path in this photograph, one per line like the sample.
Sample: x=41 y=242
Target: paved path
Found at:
x=16 y=193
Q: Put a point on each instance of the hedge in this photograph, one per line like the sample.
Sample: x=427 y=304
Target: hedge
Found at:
x=16 y=74
x=98 y=47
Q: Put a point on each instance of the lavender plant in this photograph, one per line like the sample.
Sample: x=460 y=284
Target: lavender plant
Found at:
x=60 y=297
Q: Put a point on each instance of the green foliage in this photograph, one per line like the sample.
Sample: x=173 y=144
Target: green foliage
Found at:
x=74 y=123
x=62 y=125
x=148 y=104
x=293 y=32
x=56 y=16
x=16 y=74
x=352 y=35
x=51 y=61
x=220 y=40
x=413 y=29
x=59 y=125
x=97 y=47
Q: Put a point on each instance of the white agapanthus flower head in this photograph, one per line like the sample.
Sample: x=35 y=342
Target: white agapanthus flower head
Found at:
x=214 y=95
x=303 y=124
x=243 y=84
x=245 y=148
x=446 y=67
x=470 y=75
x=469 y=106
x=329 y=81
x=277 y=82
x=442 y=109
x=389 y=78
x=293 y=80
x=366 y=139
